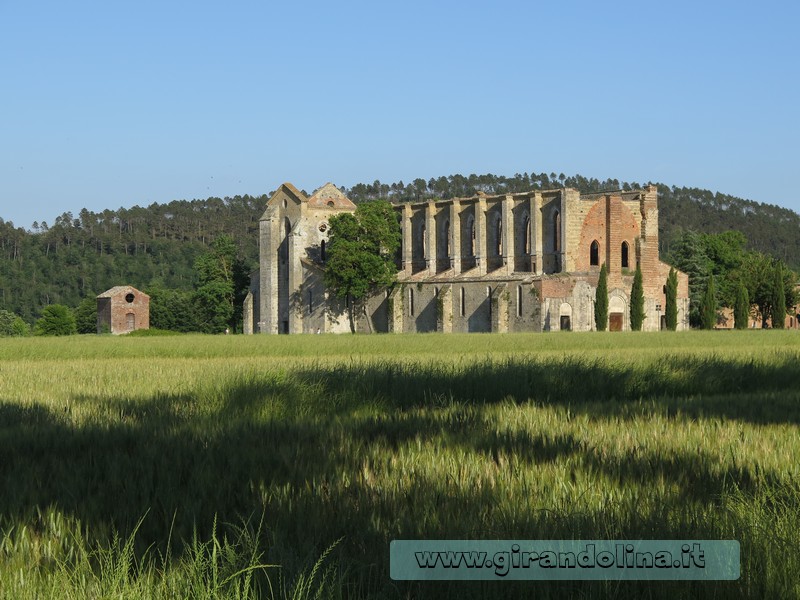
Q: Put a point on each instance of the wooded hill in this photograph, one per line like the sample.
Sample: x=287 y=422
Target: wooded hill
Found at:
x=80 y=256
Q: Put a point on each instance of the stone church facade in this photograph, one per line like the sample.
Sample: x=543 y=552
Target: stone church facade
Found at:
x=490 y=263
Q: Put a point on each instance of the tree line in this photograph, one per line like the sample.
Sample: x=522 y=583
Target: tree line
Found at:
x=723 y=272
x=768 y=228
x=156 y=248
x=77 y=258
x=214 y=305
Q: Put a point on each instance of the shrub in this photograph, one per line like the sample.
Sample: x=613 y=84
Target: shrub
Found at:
x=56 y=319
x=86 y=315
x=152 y=332
x=12 y=325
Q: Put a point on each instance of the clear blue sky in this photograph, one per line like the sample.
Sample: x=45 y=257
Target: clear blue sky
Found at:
x=109 y=104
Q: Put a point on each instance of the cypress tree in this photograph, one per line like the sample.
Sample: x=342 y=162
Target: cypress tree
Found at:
x=601 y=300
x=778 y=313
x=637 y=301
x=672 y=300
x=741 y=309
x=708 y=308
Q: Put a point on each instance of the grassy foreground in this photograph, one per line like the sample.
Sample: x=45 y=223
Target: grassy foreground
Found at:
x=283 y=466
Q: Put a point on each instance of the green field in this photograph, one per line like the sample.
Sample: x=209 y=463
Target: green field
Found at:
x=173 y=467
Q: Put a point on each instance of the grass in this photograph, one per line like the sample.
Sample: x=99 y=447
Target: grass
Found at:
x=229 y=466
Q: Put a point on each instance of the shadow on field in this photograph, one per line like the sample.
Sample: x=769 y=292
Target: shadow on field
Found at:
x=755 y=391
x=304 y=449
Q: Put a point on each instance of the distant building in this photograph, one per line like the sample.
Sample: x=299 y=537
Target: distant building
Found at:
x=725 y=316
x=122 y=309
x=502 y=263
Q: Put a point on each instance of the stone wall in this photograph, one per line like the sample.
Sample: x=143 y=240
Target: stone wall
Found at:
x=513 y=262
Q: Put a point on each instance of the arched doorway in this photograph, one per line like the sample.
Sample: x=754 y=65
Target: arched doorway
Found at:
x=565 y=317
x=616 y=313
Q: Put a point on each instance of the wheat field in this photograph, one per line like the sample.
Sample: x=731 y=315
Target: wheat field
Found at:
x=282 y=466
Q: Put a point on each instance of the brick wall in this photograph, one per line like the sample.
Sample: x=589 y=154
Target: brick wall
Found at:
x=124 y=310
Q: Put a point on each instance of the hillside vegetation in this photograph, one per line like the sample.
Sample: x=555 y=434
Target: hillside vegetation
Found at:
x=79 y=256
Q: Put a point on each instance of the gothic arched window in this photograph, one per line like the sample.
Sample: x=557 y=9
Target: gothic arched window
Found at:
x=557 y=231
x=527 y=232
x=471 y=234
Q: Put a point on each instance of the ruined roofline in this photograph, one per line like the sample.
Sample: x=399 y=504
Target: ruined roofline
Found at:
x=289 y=186
x=607 y=193
x=482 y=196
x=289 y=189
x=626 y=195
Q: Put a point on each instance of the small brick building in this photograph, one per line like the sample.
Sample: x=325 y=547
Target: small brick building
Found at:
x=122 y=309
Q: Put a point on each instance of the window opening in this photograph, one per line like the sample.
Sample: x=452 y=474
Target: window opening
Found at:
x=594 y=254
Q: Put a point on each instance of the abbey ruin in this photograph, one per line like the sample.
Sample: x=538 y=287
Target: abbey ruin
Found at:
x=501 y=263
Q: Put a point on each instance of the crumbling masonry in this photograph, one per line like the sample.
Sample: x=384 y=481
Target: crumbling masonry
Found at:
x=511 y=262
